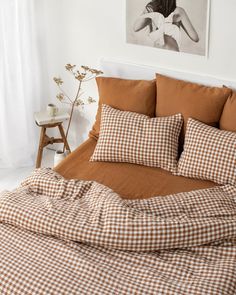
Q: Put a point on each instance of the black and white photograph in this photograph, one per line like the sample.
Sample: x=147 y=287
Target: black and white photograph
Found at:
x=177 y=25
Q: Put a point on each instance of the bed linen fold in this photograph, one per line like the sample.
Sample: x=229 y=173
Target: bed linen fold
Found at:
x=178 y=244
x=130 y=181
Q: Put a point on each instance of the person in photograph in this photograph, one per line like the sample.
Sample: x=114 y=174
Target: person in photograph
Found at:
x=164 y=19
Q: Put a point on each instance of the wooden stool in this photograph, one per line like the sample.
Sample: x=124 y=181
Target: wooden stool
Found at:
x=46 y=140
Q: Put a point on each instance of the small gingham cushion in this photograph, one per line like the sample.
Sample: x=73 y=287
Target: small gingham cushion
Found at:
x=209 y=154
x=134 y=138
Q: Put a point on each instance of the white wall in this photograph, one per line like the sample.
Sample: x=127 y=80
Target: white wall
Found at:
x=82 y=31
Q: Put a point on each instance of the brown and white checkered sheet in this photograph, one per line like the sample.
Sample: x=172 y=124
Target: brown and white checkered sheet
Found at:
x=79 y=237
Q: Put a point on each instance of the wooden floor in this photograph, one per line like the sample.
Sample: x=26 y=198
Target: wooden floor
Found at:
x=11 y=178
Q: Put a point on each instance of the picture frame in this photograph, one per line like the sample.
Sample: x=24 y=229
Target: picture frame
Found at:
x=178 y=25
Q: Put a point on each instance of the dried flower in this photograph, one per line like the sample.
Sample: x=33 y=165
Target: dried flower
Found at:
x=91 y=100
x=79 y=102
x=58 y=81
x=85 y=68
x=60 y=96
x=96 y=72
x=93 y=71
x=82 y=76
x=70 y=67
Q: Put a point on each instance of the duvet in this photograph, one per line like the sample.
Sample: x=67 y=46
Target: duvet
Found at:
x=70 y=237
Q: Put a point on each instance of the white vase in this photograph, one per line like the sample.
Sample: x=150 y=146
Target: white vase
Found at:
x=58 y=157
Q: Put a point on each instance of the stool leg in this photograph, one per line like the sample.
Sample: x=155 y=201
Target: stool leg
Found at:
x=41 y=146
x=64 y=138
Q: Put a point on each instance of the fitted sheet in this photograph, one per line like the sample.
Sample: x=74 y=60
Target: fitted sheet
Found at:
x=129 y=180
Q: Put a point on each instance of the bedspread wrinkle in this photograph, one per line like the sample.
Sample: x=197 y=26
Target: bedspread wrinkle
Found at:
x=80 y=237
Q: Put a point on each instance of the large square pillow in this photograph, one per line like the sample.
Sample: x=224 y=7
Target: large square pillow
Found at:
x=191 y=100
x=228 y=117
x=209 y=153
x=134 y=138
x=137 y=96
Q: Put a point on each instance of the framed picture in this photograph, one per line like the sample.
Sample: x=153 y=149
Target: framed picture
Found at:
x=178 y=25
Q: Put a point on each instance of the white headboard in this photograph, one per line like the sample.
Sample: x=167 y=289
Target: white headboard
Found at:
x=113 y=68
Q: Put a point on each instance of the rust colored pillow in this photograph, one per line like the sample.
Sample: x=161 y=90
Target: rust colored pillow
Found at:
x=228 y=117
x=137 y=96
x=192 y=100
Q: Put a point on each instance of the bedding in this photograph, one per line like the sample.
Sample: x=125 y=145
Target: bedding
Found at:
x=137 y=96
x=79 y=237
x=228 y=117
x=129 y=180
x=209 y=153
x=192 y=100
x=134 y=138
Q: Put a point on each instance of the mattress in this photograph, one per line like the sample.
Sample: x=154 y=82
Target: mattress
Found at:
x=128 y=180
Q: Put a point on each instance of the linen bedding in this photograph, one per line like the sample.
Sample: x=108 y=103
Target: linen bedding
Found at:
x=79 y=237
x=130 y=181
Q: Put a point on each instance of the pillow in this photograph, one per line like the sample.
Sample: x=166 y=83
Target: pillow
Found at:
x=134 y=138
x=209 y=153
x=228 y=117
x=137 y=96
x=191 y=100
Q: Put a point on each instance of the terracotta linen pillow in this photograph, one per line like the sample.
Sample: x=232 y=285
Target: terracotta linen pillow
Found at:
x=129 y=137
x=191 y=100
x=228 y=117
x=137 y=96
x=209 y=153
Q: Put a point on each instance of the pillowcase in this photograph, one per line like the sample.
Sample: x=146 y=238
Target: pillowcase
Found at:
x=137 y=96
x=191 y=100
x=133 y=138
x=228 y=117
x=209 y=153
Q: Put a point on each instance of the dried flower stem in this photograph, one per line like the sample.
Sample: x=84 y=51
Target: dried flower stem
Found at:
x=83 y=74
x=64 y=93
x=71 y=112
x=91 y=77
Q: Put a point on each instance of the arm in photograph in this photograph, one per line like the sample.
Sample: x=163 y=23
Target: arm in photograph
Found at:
x=141 y=23
x=186 y=24
x=146 y=19
x=143 y=20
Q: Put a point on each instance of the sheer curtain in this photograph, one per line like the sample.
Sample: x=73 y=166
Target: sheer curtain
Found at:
x=19 y=83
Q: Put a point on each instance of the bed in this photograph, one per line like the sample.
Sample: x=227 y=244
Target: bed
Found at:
x=118 y=228
x=126 y=179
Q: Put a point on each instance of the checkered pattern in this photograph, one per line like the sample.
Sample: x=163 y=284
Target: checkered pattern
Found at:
x=209 y=153
x=93 y=242
x=135 y=138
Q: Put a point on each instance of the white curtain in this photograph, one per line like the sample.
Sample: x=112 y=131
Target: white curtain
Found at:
x=19 y=83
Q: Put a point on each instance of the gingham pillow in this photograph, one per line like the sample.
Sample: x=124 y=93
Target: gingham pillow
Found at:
x=134 y=138
x=209 y=153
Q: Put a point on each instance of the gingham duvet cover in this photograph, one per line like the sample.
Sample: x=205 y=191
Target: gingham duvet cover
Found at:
x=69 y=237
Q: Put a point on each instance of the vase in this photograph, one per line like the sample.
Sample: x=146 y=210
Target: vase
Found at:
x=58 y=157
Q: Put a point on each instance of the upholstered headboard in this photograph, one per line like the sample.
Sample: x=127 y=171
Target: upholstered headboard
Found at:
x=113 y=68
